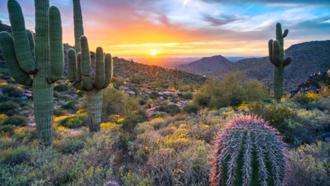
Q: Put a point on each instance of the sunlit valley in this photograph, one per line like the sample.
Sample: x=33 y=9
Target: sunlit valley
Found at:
x=166 y=92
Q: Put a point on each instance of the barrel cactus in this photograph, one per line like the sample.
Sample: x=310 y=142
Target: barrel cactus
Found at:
x=92 y=81
x=248 y=152
x=277 y=58
x=36 y=62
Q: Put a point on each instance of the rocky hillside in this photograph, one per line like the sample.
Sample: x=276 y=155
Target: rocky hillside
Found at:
x=308 y=58
x=207 y=65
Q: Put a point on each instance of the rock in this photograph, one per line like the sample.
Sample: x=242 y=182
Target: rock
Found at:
x=111 y=183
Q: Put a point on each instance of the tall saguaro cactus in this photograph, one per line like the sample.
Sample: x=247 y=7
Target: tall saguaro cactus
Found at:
x=92 y=81
x=83 y=76
x=277 y=58
x=36 y=63
x=248 y=152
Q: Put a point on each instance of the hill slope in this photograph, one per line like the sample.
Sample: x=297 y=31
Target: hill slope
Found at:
x=308 y=58
x=207 y=65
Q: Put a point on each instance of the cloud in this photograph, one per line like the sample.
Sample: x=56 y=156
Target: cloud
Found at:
x=200 y=26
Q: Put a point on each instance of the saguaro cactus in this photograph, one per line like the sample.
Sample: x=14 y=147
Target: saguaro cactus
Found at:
x=78 y=24
x=277 y=58
x=92 y=81
x=248 y=152
x=83 y=76
x=38 y=67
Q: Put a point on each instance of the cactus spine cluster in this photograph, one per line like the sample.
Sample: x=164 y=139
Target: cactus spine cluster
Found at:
x=248 y=152
x=277 y=58
x=37 y=63
x=84 y=76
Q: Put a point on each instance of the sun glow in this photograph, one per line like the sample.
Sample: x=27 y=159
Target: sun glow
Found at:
x=153 y=52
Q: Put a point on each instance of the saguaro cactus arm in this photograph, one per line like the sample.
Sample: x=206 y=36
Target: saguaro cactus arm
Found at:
x=22 y=46
x=100 y=69
x=7 y=46
x=78 y=24
x=56 y=53
x=85 y=66
x=108 y=69
x=72 y=70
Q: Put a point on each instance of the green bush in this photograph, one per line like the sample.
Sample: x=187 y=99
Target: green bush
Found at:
x=132 y=120
x=170 y=109
x=232 y=90
x=14 y=156
x=7 y=129
x=187 y=95
x=278 y=117
x=191 y=108
x=16 y=120
x=70 y=146
x=12 y=91
x=9 y=107
x=70 y=105
x=61 y=88
x=310 y=165
x=73 y=122
x=116 y=102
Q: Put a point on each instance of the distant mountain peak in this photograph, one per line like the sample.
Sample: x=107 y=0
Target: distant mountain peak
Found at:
x=207 y=65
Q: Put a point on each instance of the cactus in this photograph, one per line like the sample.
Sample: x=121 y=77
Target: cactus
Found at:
x=92 y=84
x=277 y=58
x=38 y=63
x=248 y=152
x=83 y=76
x=78 y=24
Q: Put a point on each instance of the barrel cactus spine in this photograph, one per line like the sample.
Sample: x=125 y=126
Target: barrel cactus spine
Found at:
x=248 y=152
x=36 y=63
x=91 y=83
x=277 y=58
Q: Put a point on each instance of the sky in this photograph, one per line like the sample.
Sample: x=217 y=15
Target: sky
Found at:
x=189 y=28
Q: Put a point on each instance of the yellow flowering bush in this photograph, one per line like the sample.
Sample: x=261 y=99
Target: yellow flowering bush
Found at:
x=3 y=118
x=312 y=96
x=107 y=125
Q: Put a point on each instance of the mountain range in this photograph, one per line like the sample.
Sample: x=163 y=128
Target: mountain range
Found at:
x=307 y=58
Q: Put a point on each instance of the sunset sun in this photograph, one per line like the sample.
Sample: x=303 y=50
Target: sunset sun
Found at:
x=153 y=52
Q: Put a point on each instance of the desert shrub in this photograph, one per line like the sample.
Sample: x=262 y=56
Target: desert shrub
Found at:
x=308 y=126
x=73 y=122
x=230 y=91
x=59 y=111
x=170 y=109
x=16 y=120
x=276 y=115
x=187 y=95
x=7 y=129
x=131 y=178
x=116 y=102
x=14 y=156
x=307 y=98
x=70 y=105
x=132 y=120
x=324 y=104
x=12 y=91
x=3 y=118
x=310 y=165
x=191 y=109
x=187 y=167
x=61 y=88
x=70 y=146
x=9 y=107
